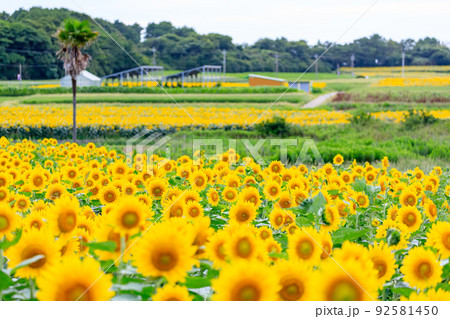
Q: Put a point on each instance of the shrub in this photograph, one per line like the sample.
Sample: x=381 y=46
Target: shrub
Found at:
x=276 y=126
x=361 y=117
x=415 y=118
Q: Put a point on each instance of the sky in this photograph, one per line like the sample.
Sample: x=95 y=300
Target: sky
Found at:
x=246 y=21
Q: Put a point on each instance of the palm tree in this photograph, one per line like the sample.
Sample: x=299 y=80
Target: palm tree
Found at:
x=72 y=37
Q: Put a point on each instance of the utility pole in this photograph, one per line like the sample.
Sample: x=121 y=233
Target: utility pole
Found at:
x=276 y=64
x=20 y=73
x=338 y=70
x=317 y=64
x=154 y=56
x=224 y=52
x=352 y=60
x=403 y=63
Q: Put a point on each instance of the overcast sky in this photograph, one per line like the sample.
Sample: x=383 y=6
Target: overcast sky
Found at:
x=249 y=20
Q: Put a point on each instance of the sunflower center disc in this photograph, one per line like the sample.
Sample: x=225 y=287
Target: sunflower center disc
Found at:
x=344 y=291
x=425 y=270
x=130 y=219
x=4 y=222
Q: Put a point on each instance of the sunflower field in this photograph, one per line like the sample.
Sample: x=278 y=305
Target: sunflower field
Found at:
x=87 y=223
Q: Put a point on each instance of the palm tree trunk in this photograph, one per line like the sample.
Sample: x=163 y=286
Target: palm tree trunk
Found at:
x=74 y=100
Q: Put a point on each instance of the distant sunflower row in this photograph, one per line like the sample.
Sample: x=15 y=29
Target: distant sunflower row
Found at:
x=94 y=120
x=86 y=223
x=435 y=81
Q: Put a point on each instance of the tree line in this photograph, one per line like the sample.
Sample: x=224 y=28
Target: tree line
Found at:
x=26 y=38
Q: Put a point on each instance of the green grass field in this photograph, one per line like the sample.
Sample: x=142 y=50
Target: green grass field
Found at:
x=406 y=145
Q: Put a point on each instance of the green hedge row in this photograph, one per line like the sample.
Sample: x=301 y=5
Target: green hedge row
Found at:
x=26 y=90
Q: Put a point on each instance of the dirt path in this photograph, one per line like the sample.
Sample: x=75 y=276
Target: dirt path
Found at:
x=319 y=101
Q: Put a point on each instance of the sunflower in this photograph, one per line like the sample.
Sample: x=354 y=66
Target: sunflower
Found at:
x=346 y=177
x=55 y=191
x=249 y=181
x=22 y=203
x=213 y=197
x=429 y=295
x=410 y=217
x=37 y=179
x=232 y=180
x=71 y=173
x=215 y=248
x=338 y=159
x=276 y=167
x=109 y=194
x=285 y=200
x=330 y=218
x=295 y=279
x=9 y=221
x=34 y=220
x=243 y=244
x=230 y=194
x=370 y=177
x=129 y=188
x=395 y=234
x=439 y=238
x=385 y=162
x=118 y=169
x=250 y=194
x=128 y=215
x=105 y=232
x=392 y=212
x=32 y=244
x=164 y=251
x=191 y=195
x=383 y=261
x=430 y=210
x=408 y=197
x=353 y=252
x=243 y=212
x=271 y=246
x=194 y=209
x=295 y=183
x=63 y=217
x=272 y=190
x=172 y=293
x=421 y=268
x=171 y=194
x=174 y=208
x=326 y=243
x=145 y=199
x=5 y=179
x=201 y=233
x=4 y=194
x=304 y=245
x=246 y=281
x=184 y=171
x=198 y=180
x=73 y=279
x=264 y=232
x=299 y=196
x=361 y=199
x=157 y=187
x=276 y=217
x=345 y=281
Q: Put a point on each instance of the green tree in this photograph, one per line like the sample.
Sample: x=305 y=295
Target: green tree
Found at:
x=73 y=37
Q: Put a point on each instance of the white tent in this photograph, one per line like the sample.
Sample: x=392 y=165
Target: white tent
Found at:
x=85 y=78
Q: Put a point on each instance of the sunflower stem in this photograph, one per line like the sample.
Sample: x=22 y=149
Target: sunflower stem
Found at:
x=1 y=269
x=120 y=267
x=31 y=283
